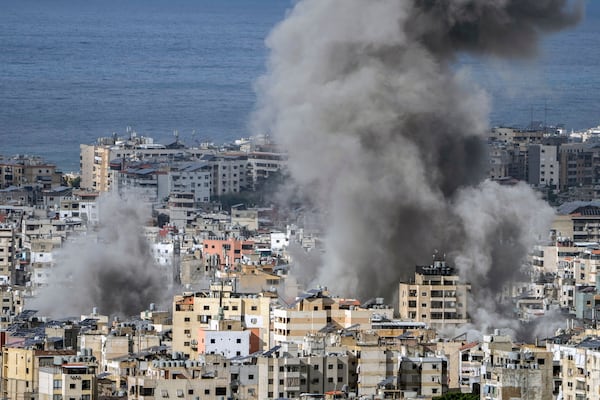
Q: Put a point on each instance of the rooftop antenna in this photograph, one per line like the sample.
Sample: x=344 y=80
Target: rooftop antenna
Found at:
x=531 y=117
x=545 y=116
x=434 y=255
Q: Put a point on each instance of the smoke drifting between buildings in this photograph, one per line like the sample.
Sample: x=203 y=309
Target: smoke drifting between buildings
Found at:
x=113 y=271
x=387 y=136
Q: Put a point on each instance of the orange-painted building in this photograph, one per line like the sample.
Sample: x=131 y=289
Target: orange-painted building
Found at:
x=226 y=251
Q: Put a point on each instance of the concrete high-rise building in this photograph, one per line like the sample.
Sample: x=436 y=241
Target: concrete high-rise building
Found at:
x=436 y=297
x=8 y=252
x=543 y=166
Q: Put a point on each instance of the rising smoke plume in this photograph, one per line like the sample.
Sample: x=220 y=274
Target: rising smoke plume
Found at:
x=112 y=270
x=387 y=137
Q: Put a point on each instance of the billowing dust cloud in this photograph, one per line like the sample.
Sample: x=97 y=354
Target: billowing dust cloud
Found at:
x=387 y=136
x=111 y=269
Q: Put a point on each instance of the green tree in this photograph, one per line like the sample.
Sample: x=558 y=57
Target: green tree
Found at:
x=458 y=396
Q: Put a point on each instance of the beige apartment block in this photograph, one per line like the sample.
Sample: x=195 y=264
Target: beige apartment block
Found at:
x=74 y=380
x=284 y=372
x=95 y=167
x=579 y=368
x=179 y=379
x=427 y=376
x=20 y=370
x=436 y=296
x=316 y=310
x=8 y=252
x=194 y=310
x=511 y=371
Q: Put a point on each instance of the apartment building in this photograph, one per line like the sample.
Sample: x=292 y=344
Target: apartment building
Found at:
x=226 y=337
x=144 y=180
x=80 y=205
x=427 y=376
x=436 y=296
x=11 y=303
x=228 y=173
x=9 y=252
x=71 y=380
x=285 y=372
x=192 y=177
x=28 y=171
x=207 y=378
x=193 y=311
x=99 y=160
x=577 y=370
x=577 y=164
x=42 y=259
x=21 y=366
x=225 y=251
x=262 y=165
x=51 y=198
x=316 y=310
x=515 y=371
x=543 y=166
x=469 y=369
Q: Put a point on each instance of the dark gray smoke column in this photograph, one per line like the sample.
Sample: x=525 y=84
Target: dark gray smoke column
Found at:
x=114 y=271
x=387 y=138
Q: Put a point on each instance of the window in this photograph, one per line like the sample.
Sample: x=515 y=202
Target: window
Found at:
x=221 y=391
x=72 y=386
x=57 y=384
x=186 y=319
x=253 y=308
x=330 y=366
x=251 y=377
x=86 y=384
x=238 y=340
x=212 y=341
